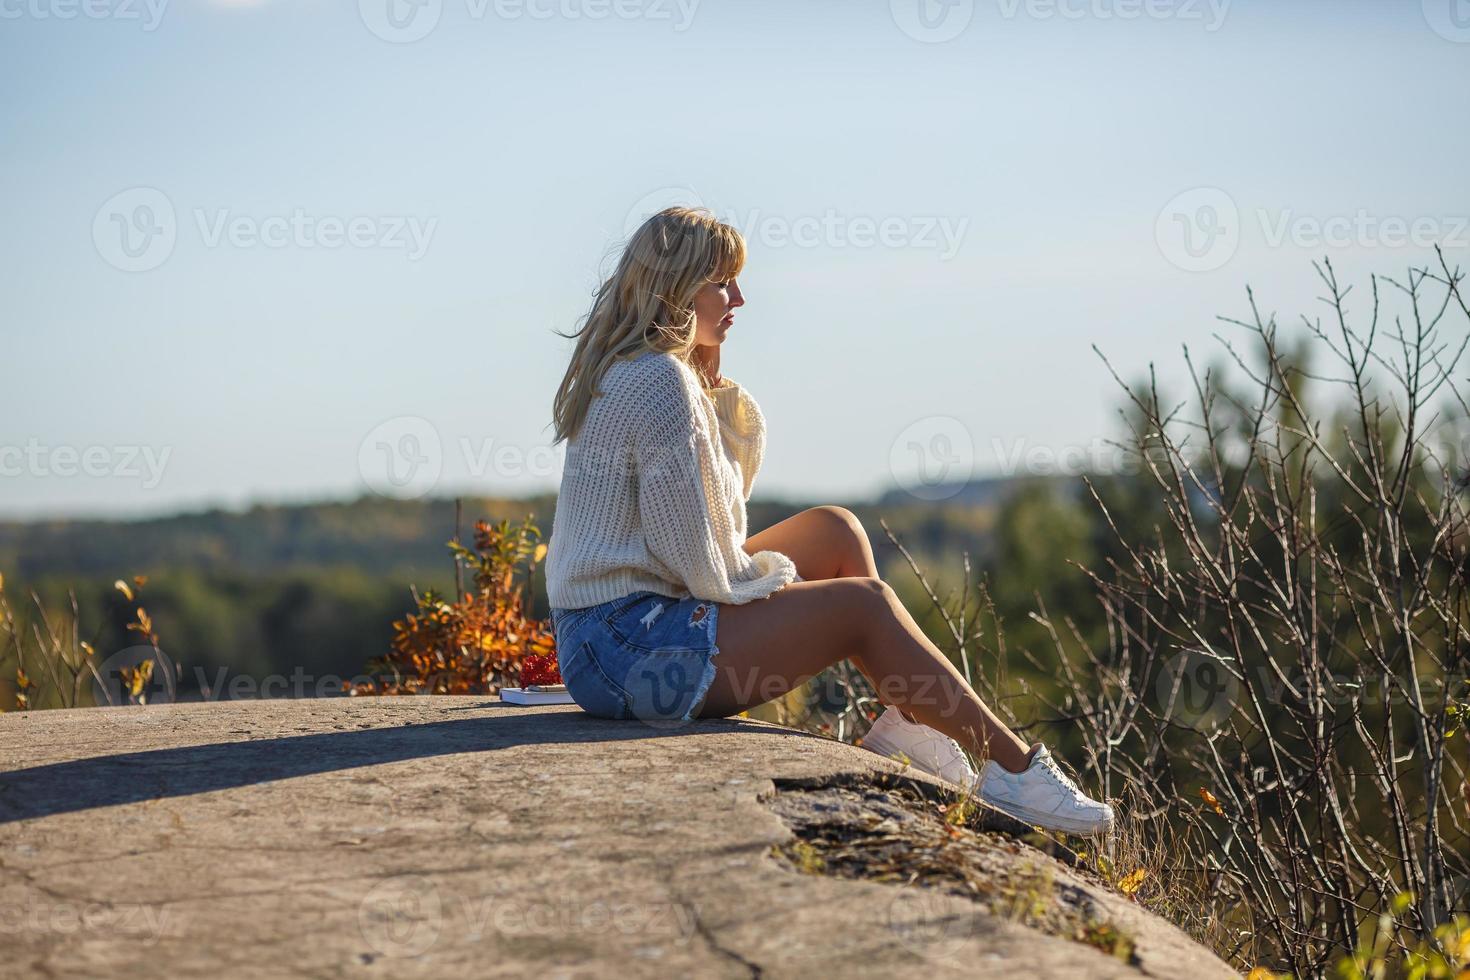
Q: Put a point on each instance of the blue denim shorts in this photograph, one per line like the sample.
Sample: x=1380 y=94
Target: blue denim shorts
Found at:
x=644 y=656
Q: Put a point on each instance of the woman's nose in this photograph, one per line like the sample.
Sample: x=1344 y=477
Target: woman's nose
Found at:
x=737 y=298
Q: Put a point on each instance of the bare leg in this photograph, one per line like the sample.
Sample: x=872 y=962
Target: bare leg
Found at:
x=771 y=645
x=825 y=543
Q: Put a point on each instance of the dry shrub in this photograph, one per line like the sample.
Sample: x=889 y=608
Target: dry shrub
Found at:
x=49 y=665
x=482 y=641
x=1274 y=690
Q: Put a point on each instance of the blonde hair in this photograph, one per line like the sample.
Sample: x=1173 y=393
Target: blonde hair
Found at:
x=647 y=303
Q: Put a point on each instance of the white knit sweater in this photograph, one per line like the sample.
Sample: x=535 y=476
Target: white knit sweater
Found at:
x=654 y=490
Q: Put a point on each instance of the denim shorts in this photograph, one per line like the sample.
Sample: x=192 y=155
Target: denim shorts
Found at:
x=644 y=656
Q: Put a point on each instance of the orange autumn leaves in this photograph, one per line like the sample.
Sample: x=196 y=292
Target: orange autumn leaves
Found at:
x=484 y=640
x=1211 y=801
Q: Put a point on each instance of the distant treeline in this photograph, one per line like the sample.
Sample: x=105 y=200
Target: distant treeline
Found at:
x=314 y=588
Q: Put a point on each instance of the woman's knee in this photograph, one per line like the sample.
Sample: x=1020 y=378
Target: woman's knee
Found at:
x=840 y=520
x=846 y=531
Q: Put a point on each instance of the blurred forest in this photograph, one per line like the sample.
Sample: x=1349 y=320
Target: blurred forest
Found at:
x=314 y=588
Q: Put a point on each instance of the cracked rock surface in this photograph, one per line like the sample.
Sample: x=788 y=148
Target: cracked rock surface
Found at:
x=459 y=836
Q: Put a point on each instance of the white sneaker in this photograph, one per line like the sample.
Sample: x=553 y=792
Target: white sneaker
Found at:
x=1043 y=796
x=921 y=746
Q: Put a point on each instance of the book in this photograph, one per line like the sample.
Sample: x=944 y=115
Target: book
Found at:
x=537 y=694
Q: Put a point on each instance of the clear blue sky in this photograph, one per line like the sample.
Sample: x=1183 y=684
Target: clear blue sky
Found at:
x=516 y=136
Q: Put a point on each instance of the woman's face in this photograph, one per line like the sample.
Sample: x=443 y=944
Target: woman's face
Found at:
x=714 y=311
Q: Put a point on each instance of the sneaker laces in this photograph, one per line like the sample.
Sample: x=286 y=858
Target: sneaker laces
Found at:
x=1050 y=767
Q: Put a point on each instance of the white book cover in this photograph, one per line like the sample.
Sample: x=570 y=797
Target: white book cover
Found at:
x=537 y=694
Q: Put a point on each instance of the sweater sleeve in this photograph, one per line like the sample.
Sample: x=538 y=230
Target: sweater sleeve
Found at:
x=686 y=520
x=742 y=430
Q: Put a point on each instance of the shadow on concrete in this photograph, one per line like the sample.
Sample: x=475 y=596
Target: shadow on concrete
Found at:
x=131 y=777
